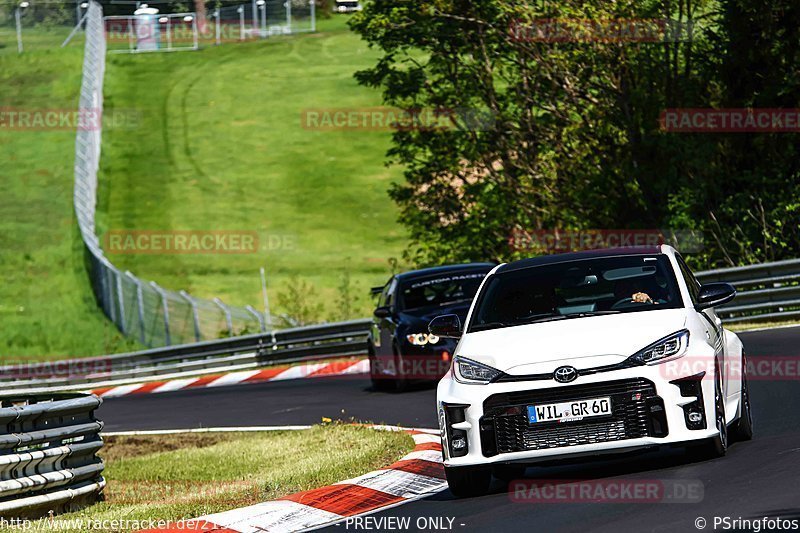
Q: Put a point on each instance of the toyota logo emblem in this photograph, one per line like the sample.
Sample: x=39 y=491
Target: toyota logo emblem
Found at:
x=565 y=374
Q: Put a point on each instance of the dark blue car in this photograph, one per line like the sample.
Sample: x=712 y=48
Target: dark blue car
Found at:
x=401 y=350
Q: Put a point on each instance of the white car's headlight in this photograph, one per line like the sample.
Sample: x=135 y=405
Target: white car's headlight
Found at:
x=669 y=347
x=469 y=371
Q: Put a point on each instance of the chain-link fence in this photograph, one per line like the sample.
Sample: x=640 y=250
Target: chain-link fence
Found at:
x=149 y=30
x=259 y=19
x=152 y=32
x=140 y=309
x=30 y=26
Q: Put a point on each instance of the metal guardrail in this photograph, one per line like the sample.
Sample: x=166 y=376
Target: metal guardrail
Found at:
x=237 y=353
x=767 y=291
x=48 y=447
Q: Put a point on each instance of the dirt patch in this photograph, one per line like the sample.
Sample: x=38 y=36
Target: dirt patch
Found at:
x=116 y=448
x=178 y=492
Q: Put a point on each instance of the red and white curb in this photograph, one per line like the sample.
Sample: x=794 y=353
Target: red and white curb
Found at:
x=276 y=373
x=416 y=475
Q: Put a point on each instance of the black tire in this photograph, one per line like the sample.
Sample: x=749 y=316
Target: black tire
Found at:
x=715 y=446
x=468 y=481
x=400 y=382
x=379 y=381
x=742 y=429
x=508 y=473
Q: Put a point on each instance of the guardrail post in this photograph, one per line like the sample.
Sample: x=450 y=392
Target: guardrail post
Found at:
x=120 y=301
x=139 y=304
x=259 y=317
x=131 y=46
x=216 y=26
x=195 y=316
x=165 y=308
x=196 y=37
x=227 y=313
x=109 y=296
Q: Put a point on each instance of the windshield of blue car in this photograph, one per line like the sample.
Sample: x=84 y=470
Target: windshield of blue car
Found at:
x=576 y=289
x=440 y=290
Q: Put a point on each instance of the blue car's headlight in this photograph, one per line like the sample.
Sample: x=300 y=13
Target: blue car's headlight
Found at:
x=669 y=347
x=421 y=339
x=469 y=371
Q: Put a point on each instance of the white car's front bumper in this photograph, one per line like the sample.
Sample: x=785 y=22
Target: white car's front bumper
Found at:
x=452 y=392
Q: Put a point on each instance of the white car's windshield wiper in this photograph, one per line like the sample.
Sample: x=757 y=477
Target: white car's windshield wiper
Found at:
x=532 y=319
x=590 y=313
x=545 y=317
x=490 y=325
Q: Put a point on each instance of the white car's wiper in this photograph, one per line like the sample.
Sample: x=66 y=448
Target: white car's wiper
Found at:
x=490 y=325
x=591 y=313
x=549 y=317
x=546 y=317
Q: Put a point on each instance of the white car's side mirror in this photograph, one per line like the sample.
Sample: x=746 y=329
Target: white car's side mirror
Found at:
x=447 y=326
x=714 y=294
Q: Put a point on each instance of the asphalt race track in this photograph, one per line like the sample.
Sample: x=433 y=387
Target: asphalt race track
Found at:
x=276 y=403
x=756 y=479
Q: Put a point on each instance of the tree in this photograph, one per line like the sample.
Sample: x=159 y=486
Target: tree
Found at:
x=568 y=131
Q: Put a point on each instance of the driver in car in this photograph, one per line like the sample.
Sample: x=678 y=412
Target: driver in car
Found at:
x=628 y=288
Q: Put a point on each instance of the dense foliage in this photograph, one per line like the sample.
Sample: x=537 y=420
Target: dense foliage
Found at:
x=568 y=133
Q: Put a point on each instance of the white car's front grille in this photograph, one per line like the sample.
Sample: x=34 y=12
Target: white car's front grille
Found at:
x=636 y=411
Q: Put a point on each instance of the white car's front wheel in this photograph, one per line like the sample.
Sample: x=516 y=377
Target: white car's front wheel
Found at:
x=718 y=445
x=743 y=428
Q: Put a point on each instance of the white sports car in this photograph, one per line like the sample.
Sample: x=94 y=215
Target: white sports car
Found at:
x=585 y=353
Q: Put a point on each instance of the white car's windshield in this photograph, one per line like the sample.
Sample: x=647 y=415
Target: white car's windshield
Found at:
x=576 y=289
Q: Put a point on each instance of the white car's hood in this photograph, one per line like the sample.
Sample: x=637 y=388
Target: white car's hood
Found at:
x=581 y=342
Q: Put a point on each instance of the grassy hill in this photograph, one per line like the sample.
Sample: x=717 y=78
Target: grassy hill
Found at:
x=220 y=144
x=207 y=140
x=46 y=306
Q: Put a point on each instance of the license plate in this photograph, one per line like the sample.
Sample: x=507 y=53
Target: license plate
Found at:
x=569 y=411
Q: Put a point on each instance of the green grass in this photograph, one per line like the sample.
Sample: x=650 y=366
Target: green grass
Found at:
x=207 y=140
x=219 y=145
x=37 y=38
x=175 y=477
x=46 y=305
x=746 y=326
